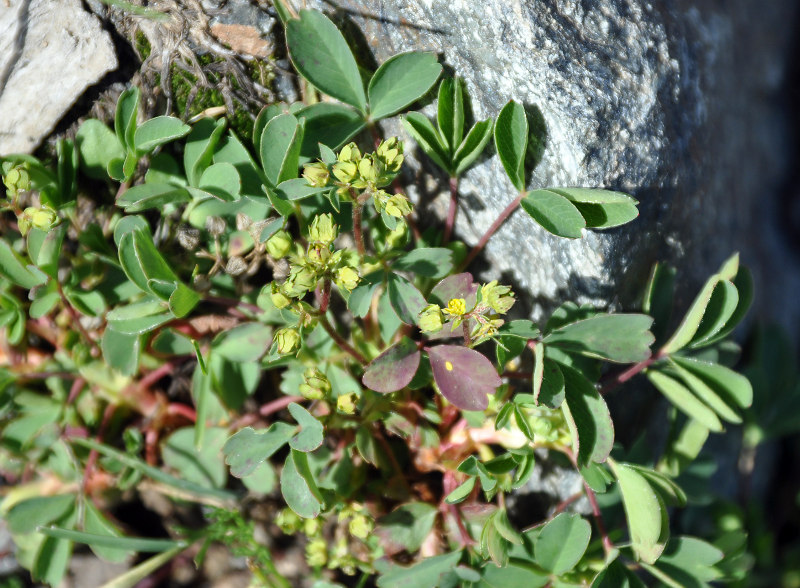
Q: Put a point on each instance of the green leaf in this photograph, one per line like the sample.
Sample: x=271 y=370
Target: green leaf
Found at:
x=421 y=129
x=247 y=449
x=464 y=376
x=44 y=248
x=125 y=118
x=561 y=543
x=329 y=124
x=185 y=487
x=658 y=298
x=221 y=180
x=723 y=303
x=311 y=431
x=504 y=527
x=401 y=80
x=201 y=465
x=52 y=557
x=406 y=300
x=13 y=268
x=450 y=112
x=407 y=526
x=198 y=151
x=538 y=371
x=744 y=287
x=554 y=212
x=139 y=544
x=425 y=573
x=98 y=145
x=691 y=561
x=146 y=196
x=139 y=317
x=25 y=516
x=683 y=399
x=617 y=575
x=138 y=573
x=511 y=142
x=129 y=260
x=513 y=574
x=121 y=350
x=691 y=322
x=393 y=369
x=602 y=209
x=128 y=224
x=95 y=523
x=429 y=262
x=522 y=422
x=644 y=512
x=722 y=405
x=587 y=417
x=473 y=145
x=158 y=131
x=683 y=450
x=298 y=189
x=298 y=488
x=360 y=299
x=243 y=343
x=461 y=492
x=280 y=148
x=670 y=493
x=321 y=55
x=230 y=150
x=622 y=338
x=735 y=388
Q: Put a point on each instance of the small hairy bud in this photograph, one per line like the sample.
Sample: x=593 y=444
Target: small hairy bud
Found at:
x=498 y=298
x=316 y=174
x=390 y=154
x=346 y=403
x=287 y=339
x=398 y=206
x=318 y=255
x=288 y=521
x=368 y=170
x=215 y=225
x=236 y=266
x=316 y=553
x=346 y=278
x=360 y=526
x=345 y=171
x=350 y=153
x=301 y=279
x=17 y=179
x=279 y=244
x=323 y=229
x=431 y=319
x=188 y=237
x=40 y=218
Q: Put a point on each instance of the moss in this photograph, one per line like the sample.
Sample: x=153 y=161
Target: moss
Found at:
x=142 y=45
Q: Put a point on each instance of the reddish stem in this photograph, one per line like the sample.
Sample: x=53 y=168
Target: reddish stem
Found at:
x=75 y=389
x=451 y=213
x=627 y=374
x=492 y=230
x=278 y=404
x=101 y=431
x=76 y=318
x=152 y=377
x=341 y=342
x=324 y=295
x=178 y=409
x=233 y=303
x=358 y=234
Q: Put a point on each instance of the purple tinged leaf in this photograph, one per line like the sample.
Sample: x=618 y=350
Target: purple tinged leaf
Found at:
x=456 y=286
x=393 y=369
x=464 y=376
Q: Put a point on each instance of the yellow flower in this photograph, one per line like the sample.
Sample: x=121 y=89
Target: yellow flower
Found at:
x=456 y=307
x=346 y=403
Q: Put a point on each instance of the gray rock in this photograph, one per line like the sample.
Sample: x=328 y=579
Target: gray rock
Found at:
x=662 y=99
x=50 y=52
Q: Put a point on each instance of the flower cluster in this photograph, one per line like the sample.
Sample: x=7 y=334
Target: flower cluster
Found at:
x=492 y=301
x=368 y=173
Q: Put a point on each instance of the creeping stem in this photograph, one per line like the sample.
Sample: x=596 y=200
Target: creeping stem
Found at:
x=492 y=230
x=451 y=213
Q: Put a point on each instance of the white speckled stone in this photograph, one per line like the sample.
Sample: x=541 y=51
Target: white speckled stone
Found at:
x=50 y=52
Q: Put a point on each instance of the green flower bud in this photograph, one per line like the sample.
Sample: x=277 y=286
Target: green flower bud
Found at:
x=398 y=206
x=488 y=328
x=345 y=171
x=288 y=521
x=346 y=403
x=315 y=385
x=279 y=299
x=279 y=244
x=350 y=153
x=17 y=179
x=318 y=255
x=390 y=154
x=498 y=298
x=316 y=553
x=302 y=278
x=431 y=319
x=323 y=229
x=368 y=170
x=316 y=174
x=346 y=278
x=360 y=526
x=41 y=218
x=287 y=339
x=311 y=527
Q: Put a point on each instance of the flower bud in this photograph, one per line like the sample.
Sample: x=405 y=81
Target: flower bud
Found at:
x=368 y=170
x=301 y=279
x=346 y=278
x=323 y=229
x=360 y=526
x=17 y=179
x=288 y=521
x=316 y=174
x=498 y=298
x=311 y=527
x=315 y=385
x=345 y=171
x=41 y=218
x=316 y=553
x=346 y=403
x=215 y=225
x=287 y=339
x=279 y=244
x=350 y=153
x=279 y=299
x=431 y=319
x=398 y=206
x=390 y=154
x=456 y=307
